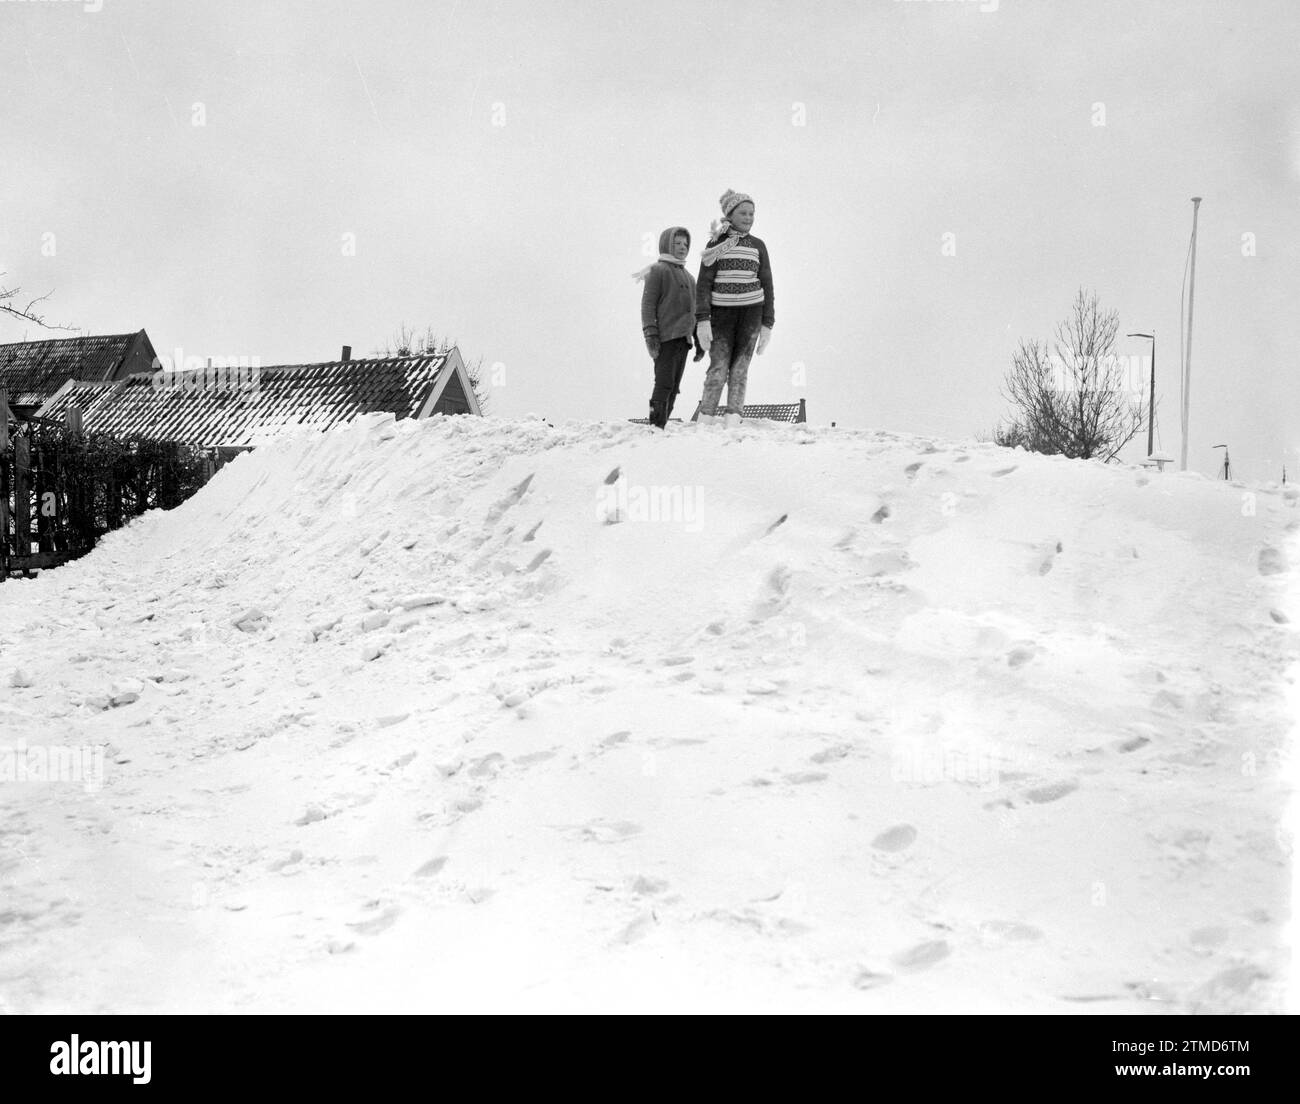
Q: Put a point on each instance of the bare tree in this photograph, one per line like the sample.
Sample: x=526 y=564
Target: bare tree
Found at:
x=11 y=304
x=1017 y=434
x=1073 y=399
x=410 y=342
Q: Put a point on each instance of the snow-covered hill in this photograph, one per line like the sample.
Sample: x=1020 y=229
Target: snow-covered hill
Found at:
x=482 y=714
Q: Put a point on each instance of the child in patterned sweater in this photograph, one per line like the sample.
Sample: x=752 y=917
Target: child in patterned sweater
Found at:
x=734 y=310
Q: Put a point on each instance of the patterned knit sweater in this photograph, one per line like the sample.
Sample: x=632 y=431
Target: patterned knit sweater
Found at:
x=740 y=279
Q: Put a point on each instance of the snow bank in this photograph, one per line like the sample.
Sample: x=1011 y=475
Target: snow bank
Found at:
x=482 y=714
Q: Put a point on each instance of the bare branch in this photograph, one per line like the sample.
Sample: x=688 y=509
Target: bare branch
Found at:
x=409 y=342
x=9 y=305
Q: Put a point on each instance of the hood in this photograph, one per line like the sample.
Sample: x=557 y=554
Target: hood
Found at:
x=666 y=238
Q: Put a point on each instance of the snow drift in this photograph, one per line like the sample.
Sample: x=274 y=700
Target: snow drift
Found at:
x=480 y=714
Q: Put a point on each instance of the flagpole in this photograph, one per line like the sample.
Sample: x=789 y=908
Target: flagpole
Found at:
x=1187 y=361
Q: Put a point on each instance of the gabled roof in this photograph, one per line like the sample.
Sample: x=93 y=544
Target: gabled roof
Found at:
x=273 y=399
x=32 y=371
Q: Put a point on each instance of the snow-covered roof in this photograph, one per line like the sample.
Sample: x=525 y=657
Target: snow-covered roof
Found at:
x=32 y=371
x=236 y=407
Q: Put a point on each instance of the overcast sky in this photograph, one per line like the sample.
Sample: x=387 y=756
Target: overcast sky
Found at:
x=500 y=165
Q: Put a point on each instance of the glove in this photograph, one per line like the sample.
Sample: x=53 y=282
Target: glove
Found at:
x=704 y=334
x=652 y=346
x=764 y=336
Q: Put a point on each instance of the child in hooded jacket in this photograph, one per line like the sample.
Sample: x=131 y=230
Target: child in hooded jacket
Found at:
x=668 y=319
x=734 y=306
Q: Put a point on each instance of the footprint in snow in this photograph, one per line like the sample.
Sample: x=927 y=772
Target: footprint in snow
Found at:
x=533 y=757
x=1018 y=657
x=751 y=537
x=775 y=593
x=913 y=468
x=510 y=499
x=830 y=754
x=1048 y=560
x=377 y=924
x=432 y=867
x=1052 y=792
x=1206 y=939
x=463 y=806
x=295 y=856
x=1271 y=562
x=538 y=560
x=488 y=766
x=799 y=778
x=888 y=562
x=400 y=762
x=898 y=838
x=613 y=832
x=996 y=932
x=1229 y=990
x=639 y=928
x=923 y=955
x=880 y=515
x=1005 y=471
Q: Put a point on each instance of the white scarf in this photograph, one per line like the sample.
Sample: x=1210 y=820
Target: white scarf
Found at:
x=713 y=253
x=663 y=257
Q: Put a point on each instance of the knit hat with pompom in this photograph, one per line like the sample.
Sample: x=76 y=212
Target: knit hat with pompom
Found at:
x=731 y=200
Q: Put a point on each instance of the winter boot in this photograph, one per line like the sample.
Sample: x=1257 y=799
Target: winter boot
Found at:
x=732 y=421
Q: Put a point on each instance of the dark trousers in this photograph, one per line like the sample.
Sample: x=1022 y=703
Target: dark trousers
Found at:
x=670 y=364
x=735 y=335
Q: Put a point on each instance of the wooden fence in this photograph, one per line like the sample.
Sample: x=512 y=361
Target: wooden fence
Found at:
x=61 y=490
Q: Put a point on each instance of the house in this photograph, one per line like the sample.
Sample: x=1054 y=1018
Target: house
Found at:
x=32 y=371
x=231 y=412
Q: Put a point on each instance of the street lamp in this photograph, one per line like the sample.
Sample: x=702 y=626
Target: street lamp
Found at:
x=1151 y=417
x=1225 y=459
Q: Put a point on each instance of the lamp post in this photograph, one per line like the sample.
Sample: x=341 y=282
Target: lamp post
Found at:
x=1187 y=361
x=1151 y=417
x=1225 y=459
